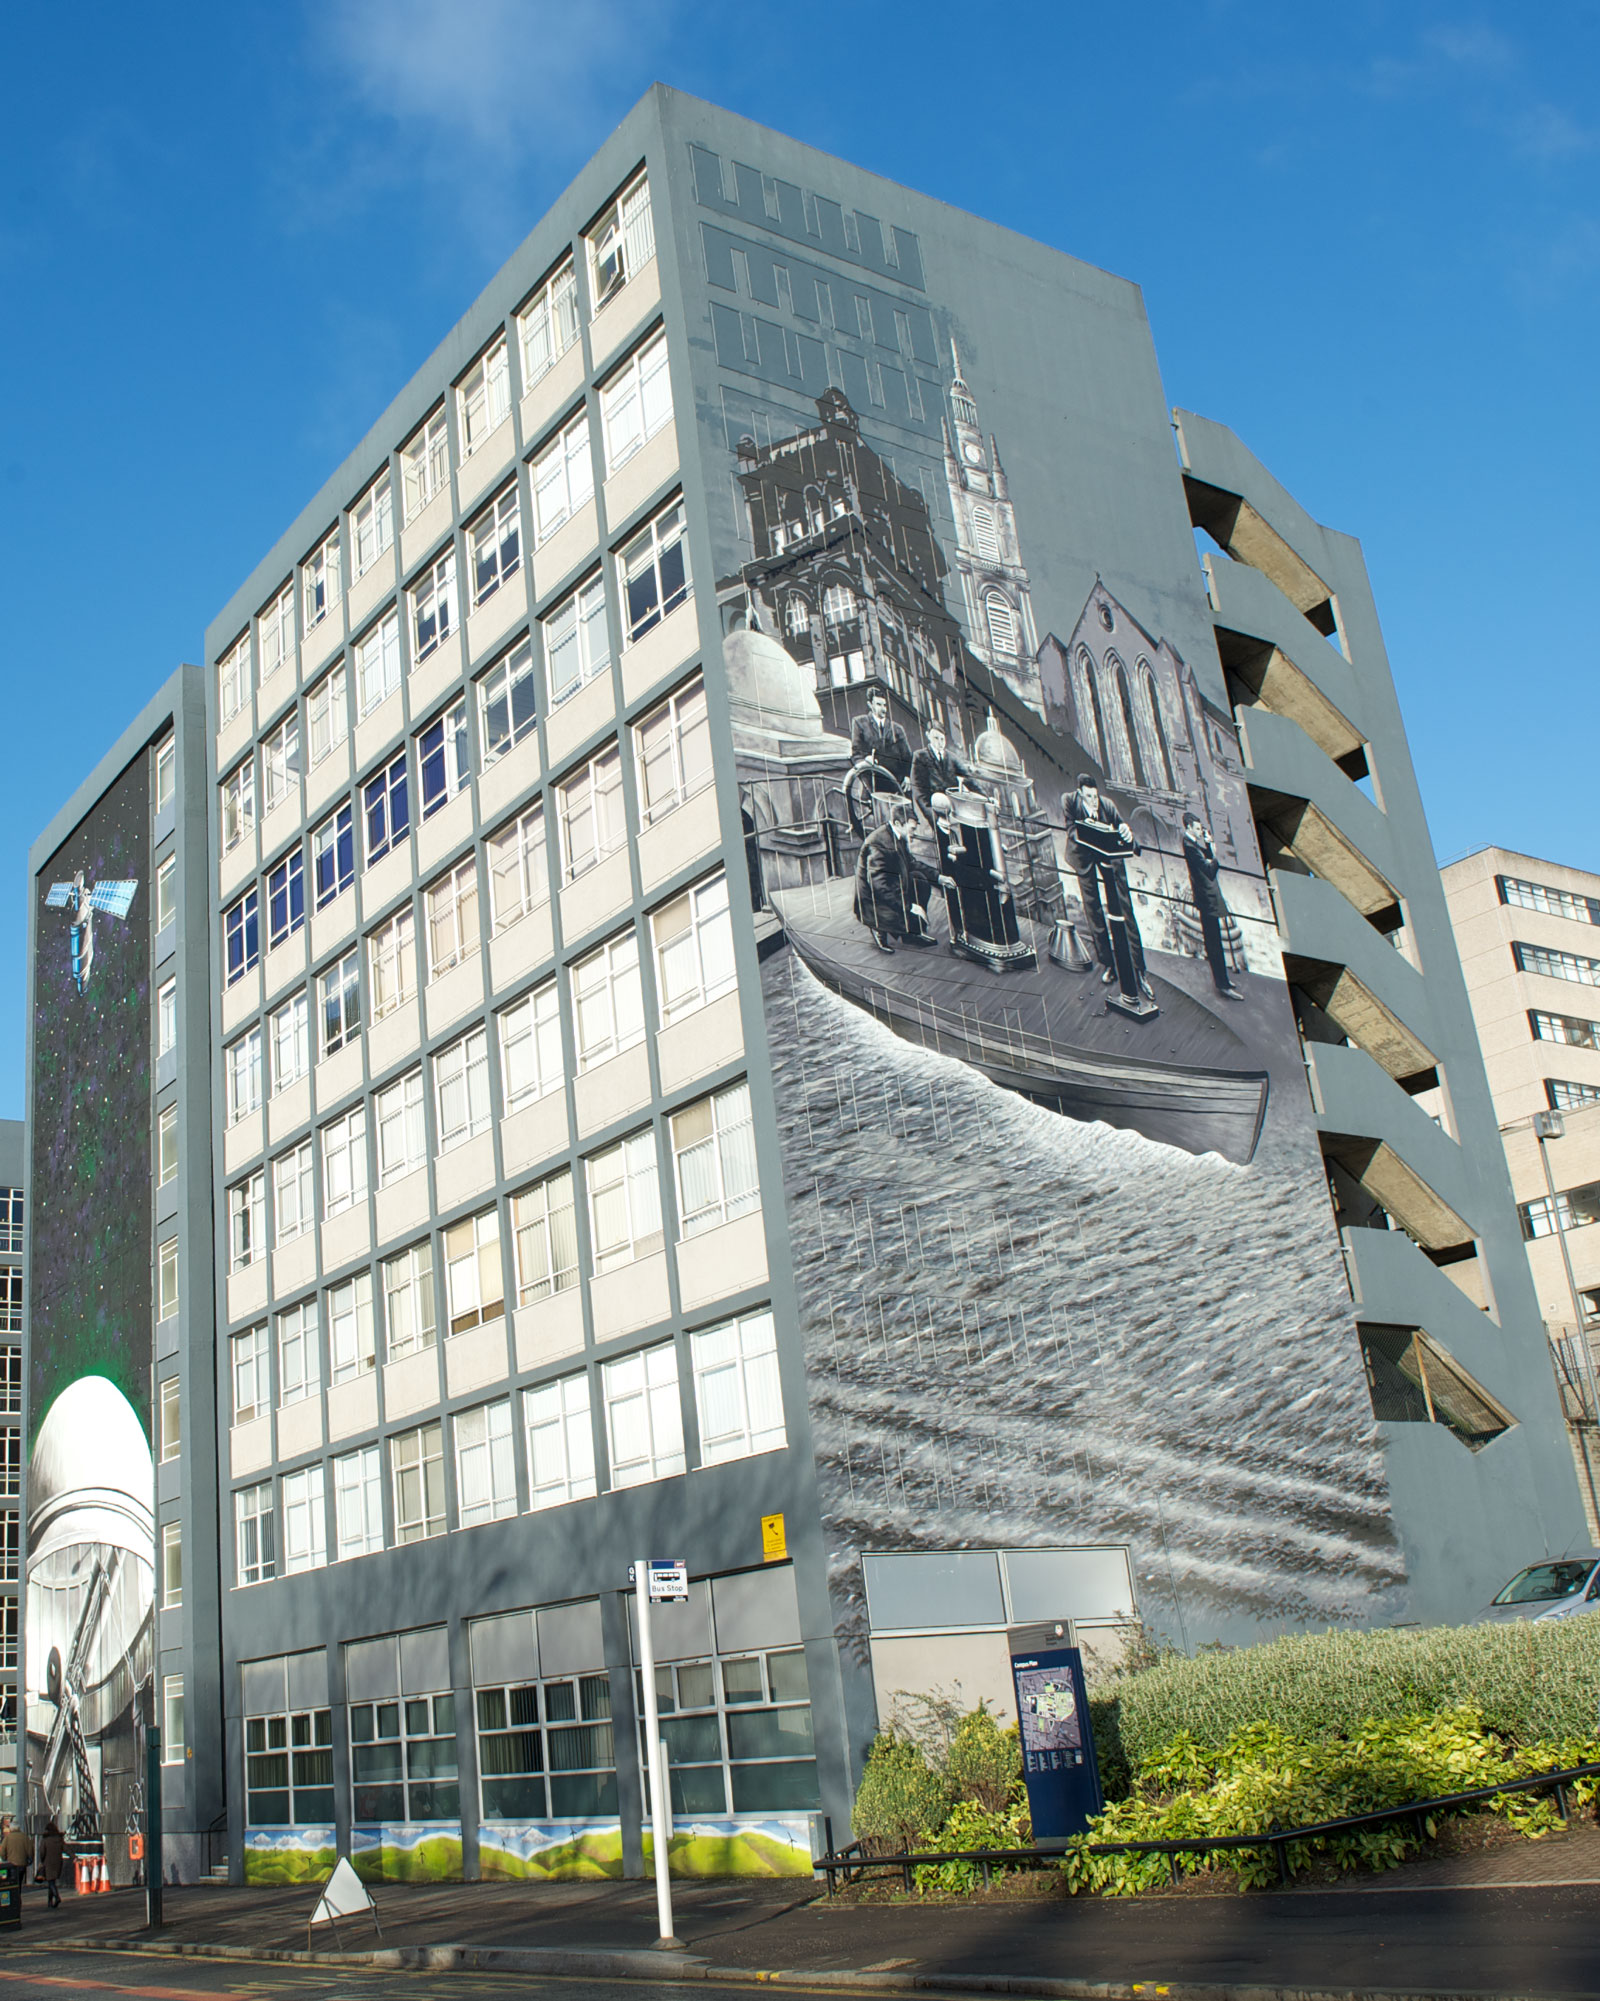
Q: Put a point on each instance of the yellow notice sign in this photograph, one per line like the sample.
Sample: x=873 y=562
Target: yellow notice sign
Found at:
x=774 y=1541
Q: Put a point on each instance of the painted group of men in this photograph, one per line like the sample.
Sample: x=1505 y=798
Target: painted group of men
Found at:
x=894 y=886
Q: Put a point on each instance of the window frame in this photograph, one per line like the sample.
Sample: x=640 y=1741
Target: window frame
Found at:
x=634 y=391
x=650 y=553
x=508 y=689
x=658 y=1395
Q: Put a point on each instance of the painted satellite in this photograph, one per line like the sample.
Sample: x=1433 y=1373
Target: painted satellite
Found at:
x=113 y=898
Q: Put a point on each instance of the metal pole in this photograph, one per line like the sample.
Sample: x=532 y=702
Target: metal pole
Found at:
x=1548 y=1126
x=655 y=1762
x=152 y=1828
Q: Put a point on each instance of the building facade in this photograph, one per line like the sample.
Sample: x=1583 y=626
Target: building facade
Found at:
x=1529 y=936
x=665 y=660
x=13 y=1182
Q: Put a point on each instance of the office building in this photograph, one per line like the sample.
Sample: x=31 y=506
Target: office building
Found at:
x=1527 y=933
x=775 y=573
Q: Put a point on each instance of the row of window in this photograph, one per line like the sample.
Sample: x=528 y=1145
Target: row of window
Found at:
x=670 y=746
x=634 y=402
x=1571 y=1210
x=1574 y=1030
x=1565 y=1096
x=1553 y=902
x=286 y=1527
x=1556 y=965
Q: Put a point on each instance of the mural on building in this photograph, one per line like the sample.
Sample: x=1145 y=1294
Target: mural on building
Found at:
x=91 y=1562
x=1046 y=1132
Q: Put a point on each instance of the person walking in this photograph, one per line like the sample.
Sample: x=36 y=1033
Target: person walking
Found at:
x=16 y=1850
x=52 y=1858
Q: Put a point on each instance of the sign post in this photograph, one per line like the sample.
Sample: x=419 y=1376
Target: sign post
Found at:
x=1058 y=1761
x=665 y=1581
x=152 y=1828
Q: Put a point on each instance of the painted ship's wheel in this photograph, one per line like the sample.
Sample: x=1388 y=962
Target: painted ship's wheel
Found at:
x=867 y=790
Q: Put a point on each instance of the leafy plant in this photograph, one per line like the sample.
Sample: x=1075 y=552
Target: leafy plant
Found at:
x=984 y=1762
x=901 y=1802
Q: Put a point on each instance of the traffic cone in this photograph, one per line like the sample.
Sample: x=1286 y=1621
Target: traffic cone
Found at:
x=77 y=1875
x=105 y=1876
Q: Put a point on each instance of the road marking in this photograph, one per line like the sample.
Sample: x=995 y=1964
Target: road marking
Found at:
x=108 y=1987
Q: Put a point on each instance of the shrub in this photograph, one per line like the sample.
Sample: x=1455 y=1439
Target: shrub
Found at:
x=984 y=1763
x=901 y=1801
x=969 y=1827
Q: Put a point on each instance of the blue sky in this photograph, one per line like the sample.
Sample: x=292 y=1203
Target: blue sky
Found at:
x=1368 y=236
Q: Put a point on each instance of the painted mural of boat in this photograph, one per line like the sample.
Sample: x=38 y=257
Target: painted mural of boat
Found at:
x=1043 y=1031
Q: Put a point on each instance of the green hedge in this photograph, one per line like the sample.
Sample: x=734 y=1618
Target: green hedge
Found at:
x=1528 y=1681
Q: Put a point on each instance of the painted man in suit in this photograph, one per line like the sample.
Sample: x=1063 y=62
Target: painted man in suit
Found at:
x=1200 y=853
x=1099 y=841
x=936 y=768
x=891 y=884
x=873 y=737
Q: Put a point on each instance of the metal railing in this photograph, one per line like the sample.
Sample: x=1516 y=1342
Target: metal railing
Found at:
x=850 y=1862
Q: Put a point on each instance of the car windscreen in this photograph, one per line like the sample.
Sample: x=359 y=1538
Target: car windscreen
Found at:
x=1545 y=1581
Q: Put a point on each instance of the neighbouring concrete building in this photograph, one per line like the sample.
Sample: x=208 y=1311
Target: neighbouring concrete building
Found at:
x=1528 y=932
x=774 y=573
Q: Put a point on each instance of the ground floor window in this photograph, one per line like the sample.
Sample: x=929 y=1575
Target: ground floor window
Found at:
x=738 y=1733
x=288 y=1769
x=546 y=1750
x=403 y=1759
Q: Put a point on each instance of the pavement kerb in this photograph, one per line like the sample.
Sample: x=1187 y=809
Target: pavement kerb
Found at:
x=670 y=1967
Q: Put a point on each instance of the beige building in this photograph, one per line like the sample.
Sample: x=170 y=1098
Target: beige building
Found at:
x=1529 y=937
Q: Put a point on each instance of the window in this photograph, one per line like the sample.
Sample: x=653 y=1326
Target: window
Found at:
x=378 y=663
x=758 y=1707
x=11 y=1465
x=286 y=898
x=358 y=1502
x=291 y=1192
x=288 y=1769
x=167 y=1134
x=408 y=1301
x=291 y=1049
x=386 y=808
x=280 y=761
x=241 y=1063
x=433 y=607
x=530 y=1047
x=736 y=1392
x=983 y=533
x=560 y=1436
x=548 y=323
x=305 y=1521
x=1574 y=1208
x=486 y=1469
x=167 y=1017
x=672 y=745
x=563 y=477
x=166 y=772
x=444 y=758
x=241 y=930
x=1001 y=620
x=238 y=792
x=234 y=680
x=644 y=1420
x=374 y=523
x=166 y=892
x=167 y=1278
x=172 y=1738
x=275 y=637
x=577 y=639
x=621 y=243
x=321 y=578
x=10 y=1219
x=693 y=940
x=1564 y=1028
x=257 y=1534
x=593 y=819
x=425 y=464
x=391 y=963
x=402 y=1139
x=796 y=615
x=1556 y=965
x=1565 y=1096
x=416 y=1460
x=171 y=1566
x=483 y=398
x=495 y=539
x=655 y=572
x=171 y=1421
x=247 y=1222
x=339 y=1002
x=10 y=1567
x=352 y=1336
x=545 y=1230
x=624 y=1201
x=453 y=918
x=299 y=1354
x=11 y=1322
x=474 y=1276
x=608 y=1000
x=344 y=1162
x=1553 y=902
x=327 y=716
x=252 y=1375
x=575 y=1753
x=333 y=855
x=409 y=1777
x=519 y=880
x=714 y=1158
x=636 y=402
x=506 y=709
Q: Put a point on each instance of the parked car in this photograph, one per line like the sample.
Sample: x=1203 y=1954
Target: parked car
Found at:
x=1556 y=1589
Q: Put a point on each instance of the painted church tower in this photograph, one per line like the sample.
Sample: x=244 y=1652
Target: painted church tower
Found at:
x=997 y=605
